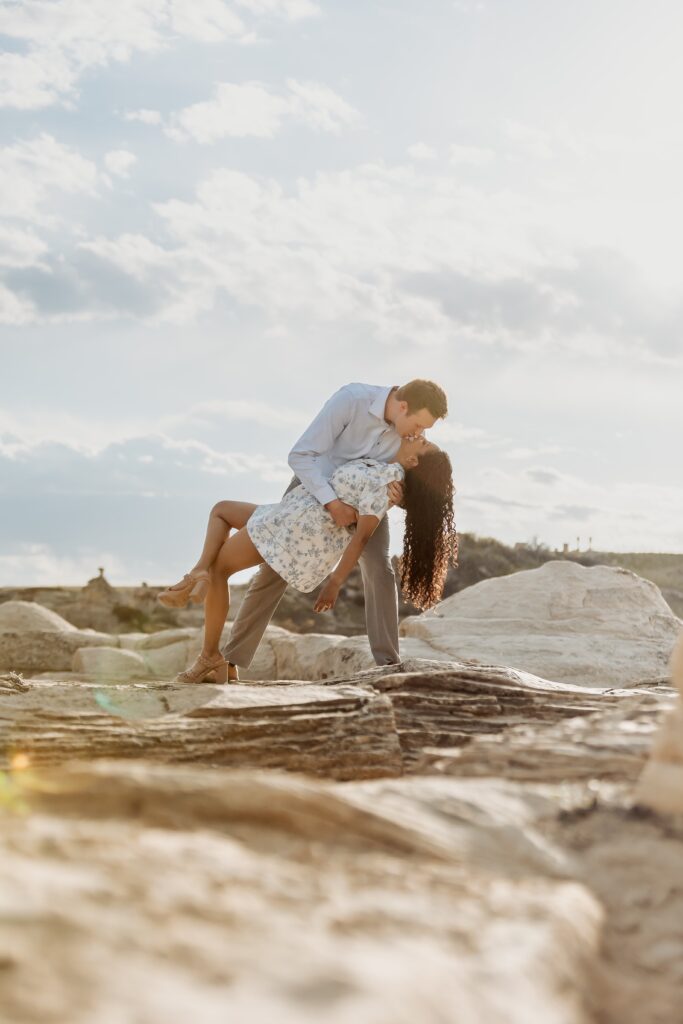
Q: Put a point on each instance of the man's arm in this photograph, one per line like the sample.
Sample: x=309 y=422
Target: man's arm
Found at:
x=317 y=439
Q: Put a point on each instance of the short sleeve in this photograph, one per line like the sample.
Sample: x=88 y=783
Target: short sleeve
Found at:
x=374 y=498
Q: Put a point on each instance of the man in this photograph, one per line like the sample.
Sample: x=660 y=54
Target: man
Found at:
x=359 y=420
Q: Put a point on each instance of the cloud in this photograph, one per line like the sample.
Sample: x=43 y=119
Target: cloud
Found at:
x=65 y=38
x=252 y=109
x=153 y=464
x=476 y=156
x=144 y=115
x=396 y=253
x=547 y=477
x=20 y=247
x=421 y=151
x=40 y=565
x=119 y=162
x=31 y=170
x=241 y=410
x=617 y=515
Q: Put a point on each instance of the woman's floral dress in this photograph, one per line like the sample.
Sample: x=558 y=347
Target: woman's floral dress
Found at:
x=298 y=537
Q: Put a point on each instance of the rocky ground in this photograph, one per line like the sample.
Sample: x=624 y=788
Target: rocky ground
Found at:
x=447 y=840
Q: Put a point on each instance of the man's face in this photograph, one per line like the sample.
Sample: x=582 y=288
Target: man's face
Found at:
x=413 y=424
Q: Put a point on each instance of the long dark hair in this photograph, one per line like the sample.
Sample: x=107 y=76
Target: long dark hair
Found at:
x=430 y=543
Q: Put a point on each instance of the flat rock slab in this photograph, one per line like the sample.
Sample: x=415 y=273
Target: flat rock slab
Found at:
x=455 y=707
x=344 y=732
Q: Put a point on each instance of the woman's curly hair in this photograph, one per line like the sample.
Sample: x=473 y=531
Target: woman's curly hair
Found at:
x=430 y=543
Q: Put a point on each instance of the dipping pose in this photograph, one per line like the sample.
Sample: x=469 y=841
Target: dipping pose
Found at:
x=300 y=541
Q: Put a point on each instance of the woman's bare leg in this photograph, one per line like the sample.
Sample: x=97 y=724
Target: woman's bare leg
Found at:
x=224 y=517
x=236 y=553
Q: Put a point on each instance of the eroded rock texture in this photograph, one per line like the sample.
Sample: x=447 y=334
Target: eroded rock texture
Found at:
x=447 y=840
x=596 y=626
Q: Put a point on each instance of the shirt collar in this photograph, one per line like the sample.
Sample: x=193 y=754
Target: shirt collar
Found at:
x=377 y=407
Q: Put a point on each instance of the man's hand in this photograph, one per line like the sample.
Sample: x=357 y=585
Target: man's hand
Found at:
x=396 y=493
x=343 y=514
x=327 y=596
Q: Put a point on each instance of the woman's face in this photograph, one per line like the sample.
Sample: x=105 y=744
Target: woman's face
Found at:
x=414 y=448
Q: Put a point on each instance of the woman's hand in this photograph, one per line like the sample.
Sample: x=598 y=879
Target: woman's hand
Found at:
x=396 y=493
x=327 y=597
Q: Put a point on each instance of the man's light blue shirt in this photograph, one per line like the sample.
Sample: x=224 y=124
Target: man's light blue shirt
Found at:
x=350 y=425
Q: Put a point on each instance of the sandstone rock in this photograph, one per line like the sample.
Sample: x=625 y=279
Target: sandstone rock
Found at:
x=595 y=626
x=109 y=664
x=341 y=732
x=167 y=661
x=661 y=784
x=153 y=641
x=268 y=897
x=46 y=650
x=27 y=616
x=326 y=656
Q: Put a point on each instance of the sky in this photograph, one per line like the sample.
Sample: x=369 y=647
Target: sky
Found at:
x=214 y=213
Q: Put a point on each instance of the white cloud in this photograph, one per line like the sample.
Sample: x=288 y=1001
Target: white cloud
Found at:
x=14 y=310
x=33 y=169
x=19 y=247
x=477 y=156
x=252 y=109
x=293 y=9
x=40 y=565
x=65 y=38
x=421 y=151
x=242 y=410
x=144 y=115
x=557 y=507
x=404 y=255
x=119 y=162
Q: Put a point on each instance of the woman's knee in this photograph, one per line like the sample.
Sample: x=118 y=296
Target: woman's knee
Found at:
x=220 y=570
x=220 y=509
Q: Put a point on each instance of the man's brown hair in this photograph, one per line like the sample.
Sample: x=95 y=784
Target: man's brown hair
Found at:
x=424 y=394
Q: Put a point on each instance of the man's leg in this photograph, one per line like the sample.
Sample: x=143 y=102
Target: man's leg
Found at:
x=381 y=598
x=257 y=609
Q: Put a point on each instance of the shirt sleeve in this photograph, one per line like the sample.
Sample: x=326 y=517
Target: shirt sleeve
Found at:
x=374 y=499
x=318 y=438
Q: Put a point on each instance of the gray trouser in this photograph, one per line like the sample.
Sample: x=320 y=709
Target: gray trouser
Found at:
x=381 y=603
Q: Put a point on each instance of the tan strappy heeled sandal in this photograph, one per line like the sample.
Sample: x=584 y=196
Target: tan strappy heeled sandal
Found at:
x=194 y=590
x=203 y=669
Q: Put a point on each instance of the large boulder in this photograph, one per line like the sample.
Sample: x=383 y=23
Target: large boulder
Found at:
x=27 y=616
x=109 y=664
x=317 y=656
x=598 y=626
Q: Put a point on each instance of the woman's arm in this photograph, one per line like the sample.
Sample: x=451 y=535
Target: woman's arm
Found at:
x=354 y=549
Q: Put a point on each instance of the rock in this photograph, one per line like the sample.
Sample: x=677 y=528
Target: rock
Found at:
x=340 y=732
x=596 y=626
x=107 y=664
x=270 y=897
x=167 y=661
x=46 y=650
x=317 y=656
x=661 y=783
x=26 y=616
x=153 y=641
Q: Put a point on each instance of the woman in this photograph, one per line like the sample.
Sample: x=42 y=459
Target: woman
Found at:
x=298 y=538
